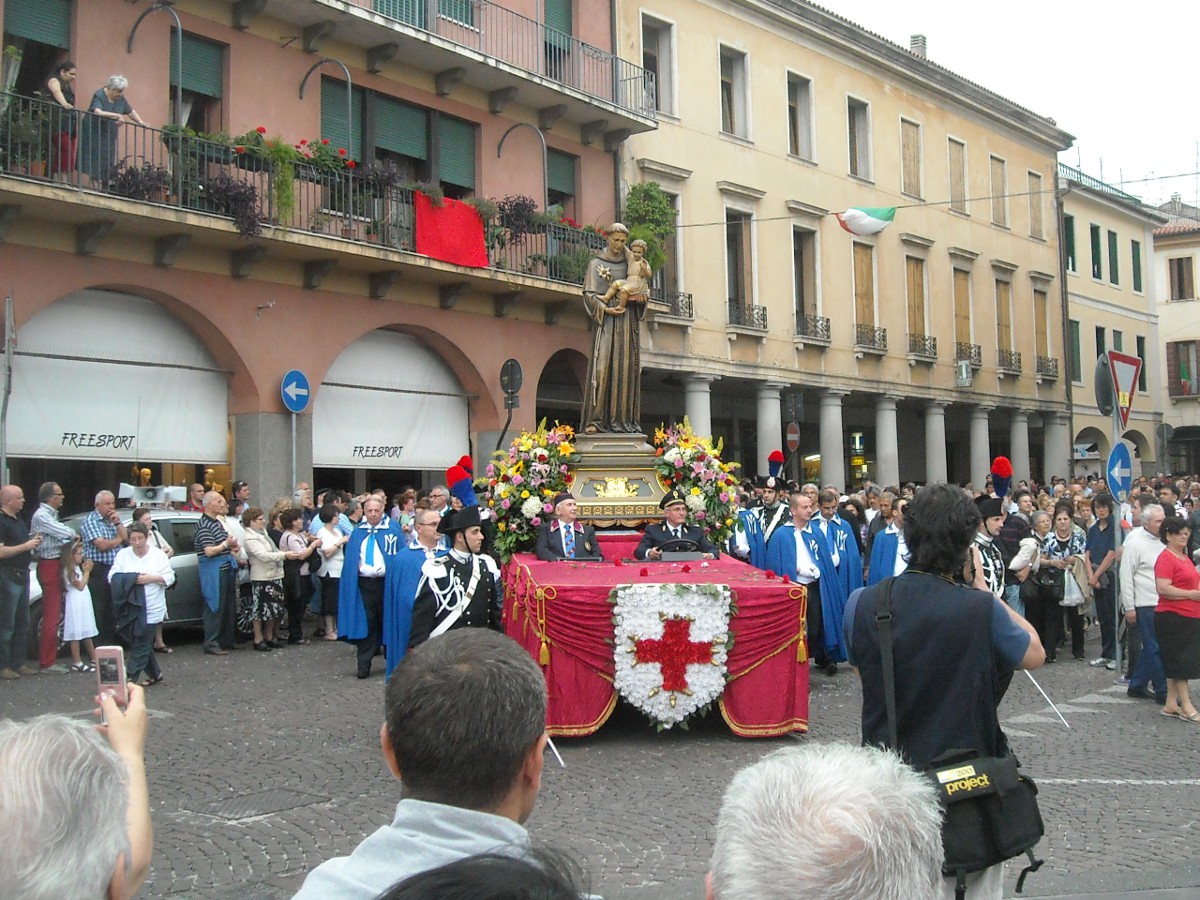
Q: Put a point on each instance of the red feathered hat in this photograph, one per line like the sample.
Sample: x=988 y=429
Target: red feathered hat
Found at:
x=466 y=463
x=1002 y=472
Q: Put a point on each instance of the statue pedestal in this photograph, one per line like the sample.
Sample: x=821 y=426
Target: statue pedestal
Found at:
x=615 y=480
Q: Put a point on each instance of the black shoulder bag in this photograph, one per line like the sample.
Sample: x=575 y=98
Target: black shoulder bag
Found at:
x=991 y=810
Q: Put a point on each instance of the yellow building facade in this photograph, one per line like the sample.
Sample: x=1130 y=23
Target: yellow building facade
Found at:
x=1108 y=251
x=772 y=118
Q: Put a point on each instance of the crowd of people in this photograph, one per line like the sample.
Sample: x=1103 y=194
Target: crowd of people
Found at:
x=465 y=708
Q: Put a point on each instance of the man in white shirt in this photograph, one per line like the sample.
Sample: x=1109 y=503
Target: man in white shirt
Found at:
x=370 y=556
x=1139 y=597
x=140 y=565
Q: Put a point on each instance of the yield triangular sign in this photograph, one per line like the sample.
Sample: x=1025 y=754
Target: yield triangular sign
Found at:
x=1125 y=370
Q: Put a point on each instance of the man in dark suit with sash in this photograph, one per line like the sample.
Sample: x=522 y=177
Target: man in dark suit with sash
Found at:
x=461 y=589
x=564 y=537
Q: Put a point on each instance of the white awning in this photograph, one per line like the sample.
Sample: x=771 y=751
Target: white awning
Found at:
x=102 y=375
x=389 y=402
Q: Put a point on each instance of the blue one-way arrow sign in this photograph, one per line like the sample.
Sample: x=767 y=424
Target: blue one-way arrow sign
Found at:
x=1119 y=470
x=295 y=391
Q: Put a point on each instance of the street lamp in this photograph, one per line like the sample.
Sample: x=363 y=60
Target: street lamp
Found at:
x=349 y=92
x=166 y=6
x=545 y=170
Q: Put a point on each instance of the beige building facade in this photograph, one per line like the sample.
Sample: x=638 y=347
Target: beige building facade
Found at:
x=1177 y=254
x=772 y=118
x=1112 y=297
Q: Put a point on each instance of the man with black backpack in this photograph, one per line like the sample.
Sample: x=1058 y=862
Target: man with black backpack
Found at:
x=933 y=656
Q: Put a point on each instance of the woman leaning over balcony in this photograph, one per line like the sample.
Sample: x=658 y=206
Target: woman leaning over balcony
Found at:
x=108 y=111
x=63 y=125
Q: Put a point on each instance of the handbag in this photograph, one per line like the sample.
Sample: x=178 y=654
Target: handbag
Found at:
x=991 y=810
x=1052 y=581
x=1072 y=593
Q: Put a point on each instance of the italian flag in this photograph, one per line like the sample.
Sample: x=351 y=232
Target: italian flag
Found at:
x=866 y=220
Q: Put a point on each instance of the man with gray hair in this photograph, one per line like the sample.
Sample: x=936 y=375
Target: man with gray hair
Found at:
x=103 y=535
x=464 y=733
x=75 y=806
x=828 y=822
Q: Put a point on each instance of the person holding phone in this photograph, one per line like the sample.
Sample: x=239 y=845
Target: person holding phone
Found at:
x=64 y=780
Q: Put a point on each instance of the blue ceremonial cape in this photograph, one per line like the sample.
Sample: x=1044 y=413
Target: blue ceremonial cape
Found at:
x=781 y=559
x=883 y=556
x=398 y=605
x=752 y=527
x=850 y=570
x=352 y=618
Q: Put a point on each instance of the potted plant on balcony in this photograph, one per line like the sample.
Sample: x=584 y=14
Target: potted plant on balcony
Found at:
x=27 y=138
x=517 y=214
x=236 y=199
x=144 y=182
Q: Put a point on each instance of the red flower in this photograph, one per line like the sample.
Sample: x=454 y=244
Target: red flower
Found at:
x=644 y=572
x=770 y=575
x=341 y=151
x=239 y=149
x=686 y=567
x=350 y=164
x=618 y=562
x=786 y=580
x=658 y=452
x=303 y=142
x=261 y=129
x=324 y=140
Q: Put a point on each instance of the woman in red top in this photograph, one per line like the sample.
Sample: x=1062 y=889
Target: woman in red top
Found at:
x=1177 y=618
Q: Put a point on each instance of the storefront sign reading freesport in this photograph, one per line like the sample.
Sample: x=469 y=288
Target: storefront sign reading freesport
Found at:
x=367 y=452
x=98 y=441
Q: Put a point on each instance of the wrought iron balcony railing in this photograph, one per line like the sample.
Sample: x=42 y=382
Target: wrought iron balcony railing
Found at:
x=165 y=168
x=922 y=345
x=748 y=316
x=678 y=303
x=970 y=352
x=871 y=337
x=1047 y=367
x=1009 y=360
x=527 y=44
x=815 y=327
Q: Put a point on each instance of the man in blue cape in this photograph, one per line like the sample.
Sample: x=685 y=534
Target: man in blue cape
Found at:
x=798 y=551
x=426 y=543
x=840 y=543
x=370 y=581
x=889 y=553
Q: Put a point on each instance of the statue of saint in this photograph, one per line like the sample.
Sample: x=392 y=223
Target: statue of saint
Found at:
x=615 y=290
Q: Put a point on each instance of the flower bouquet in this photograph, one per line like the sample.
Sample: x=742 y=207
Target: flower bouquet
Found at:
x=522 y=483
x=691 y=463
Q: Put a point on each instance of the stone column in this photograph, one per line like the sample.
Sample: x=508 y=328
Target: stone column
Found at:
x=1057 y=446
x=1018 y=440
x=887 y=449
x=262 y=453
x=697 y=403
x=936 y=468
x=981 y=452
x=833 y=451
x=770 y=423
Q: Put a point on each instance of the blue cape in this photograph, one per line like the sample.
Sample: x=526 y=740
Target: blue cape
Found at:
x=352 y=618
x=398 y=604
x=781 y=559
x=850 y=569
x=883 y=557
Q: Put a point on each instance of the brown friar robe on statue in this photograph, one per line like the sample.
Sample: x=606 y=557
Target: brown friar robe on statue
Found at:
x=612 y=396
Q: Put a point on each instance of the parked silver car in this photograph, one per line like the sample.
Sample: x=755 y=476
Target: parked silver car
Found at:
x=185 y=603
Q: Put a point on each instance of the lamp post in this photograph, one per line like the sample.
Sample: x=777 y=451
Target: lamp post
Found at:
x=349 y=91
x=166 y=6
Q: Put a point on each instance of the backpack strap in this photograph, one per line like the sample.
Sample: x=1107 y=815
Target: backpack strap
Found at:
x=883 y=622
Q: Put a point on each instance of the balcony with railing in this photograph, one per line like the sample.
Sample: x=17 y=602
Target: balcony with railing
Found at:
x=870 y=339
x=922 y=348
x=483 y=45
x=163 y=173
x=675 y=304
x=1047 y=368
x=972 y=353
x=748 y=316
x=813 y=329
x=1009 y=361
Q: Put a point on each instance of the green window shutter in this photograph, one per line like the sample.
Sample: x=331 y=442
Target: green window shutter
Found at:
x=401 y=128
x=458 y=10
x=1136 y=247
x=560 y=172
x=456 y=152
x=203 y=65
x=559 y=23
x=46 y=21
x=333 y=116
x=410 y=12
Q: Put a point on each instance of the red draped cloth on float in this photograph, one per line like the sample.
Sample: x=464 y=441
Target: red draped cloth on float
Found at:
x=561 y=613
x=452 y=232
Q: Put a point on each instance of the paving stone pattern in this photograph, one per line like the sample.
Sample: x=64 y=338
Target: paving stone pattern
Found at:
x=262 y=765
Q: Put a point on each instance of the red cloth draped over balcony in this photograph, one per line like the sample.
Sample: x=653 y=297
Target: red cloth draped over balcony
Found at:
x=561 y=614
x=452 y=232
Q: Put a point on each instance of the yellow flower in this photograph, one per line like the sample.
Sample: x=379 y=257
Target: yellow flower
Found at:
x=729 y=521
x=695 y=491
x=565 y=449
x=524 y=495
x=660 y=436
x=500 y=525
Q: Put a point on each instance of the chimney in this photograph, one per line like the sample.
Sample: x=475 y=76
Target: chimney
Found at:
x=917 y=45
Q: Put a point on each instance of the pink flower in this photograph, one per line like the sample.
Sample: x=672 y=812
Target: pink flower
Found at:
x=724 y=495
x=697 y=468
x=678 y=463
x=535 y=521
x=506 y=503
x=563 y=468
x=699 y=516
x=491 y=470
x=518 y=479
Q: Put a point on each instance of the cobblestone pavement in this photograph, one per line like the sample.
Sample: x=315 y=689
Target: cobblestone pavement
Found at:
x=264 y=764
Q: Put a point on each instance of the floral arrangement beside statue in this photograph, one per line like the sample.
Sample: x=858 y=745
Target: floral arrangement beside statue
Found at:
x=522 y=482
x=691 y=463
